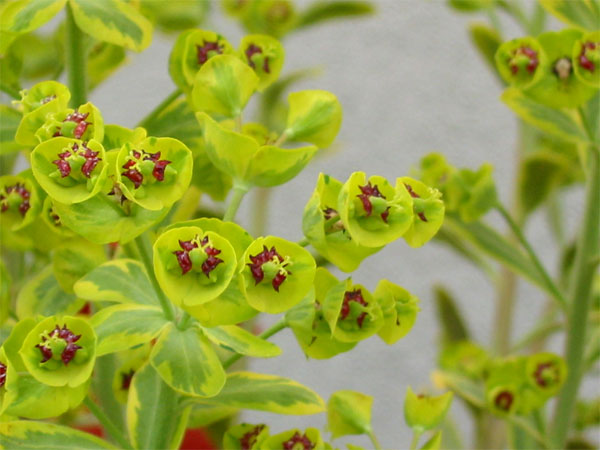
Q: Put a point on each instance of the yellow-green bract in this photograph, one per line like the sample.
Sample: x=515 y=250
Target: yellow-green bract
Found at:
x=428 y=214
x=349 y=412
x=265 y=55
x=424 y=412
x=399 y=308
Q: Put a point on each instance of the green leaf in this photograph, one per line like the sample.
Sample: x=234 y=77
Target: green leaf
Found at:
x=113 y=21
x=247 y=390
x=591 y=114
x=583 y=14
x=9 y=122
x=322 y=11
x=486 y=40
x=561 y=123
x=238 y=340
x=120 y=327
x=102 y=61
x=27 y=15
x=434 y=443
x=120 y=280
x=161 y=428
x=11 y=68
x=73 y=260
x=26 y=435
x=43 y=295
x=186 y=361
x=449 y=316
x=271 y=166
x=223 y=85
x=349 y=412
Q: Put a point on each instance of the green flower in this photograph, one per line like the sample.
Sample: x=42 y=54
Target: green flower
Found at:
x=155 y=172
x=471 y=193
x=60 y=351
x=20 y=201
x=193 y=266
x=586 y=59
x=503 y=399
x=546 y=372
x=465 y=357
x=69 y=170
x=265 y=55
x=521 y=62
x=323 y=227
x=84 y=123
x=277 y=274
x=351 y=312
x=295 y=439
x=424 y=412
x=399 y=308
x=309 y=324
x=245 y=436
x=428 y=212
x=374 y=212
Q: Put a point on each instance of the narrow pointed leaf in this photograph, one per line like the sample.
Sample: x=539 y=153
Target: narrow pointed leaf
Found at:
x=27 y=435
x=321 y=11
x=583 y=14
x=238 y=340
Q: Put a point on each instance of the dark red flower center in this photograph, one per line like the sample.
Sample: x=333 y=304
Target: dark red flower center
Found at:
x=258 y=260
x=368 y=191
x=91 y=160
x=67 y=336
x=584 y=61
x=546 y=374
x=527 y=52
x=504 y=400
x=298 y=438
x=413 y=194
x=249 y=439
x=185 y=261
x=252 y=50
x=80 y=120
x=126 y=379
x=2 y=374
x=203 y=50
x=17 y=192
x=353 y=296
x=133 y=173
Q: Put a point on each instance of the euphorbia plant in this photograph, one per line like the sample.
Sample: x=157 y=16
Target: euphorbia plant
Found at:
x=140 y=303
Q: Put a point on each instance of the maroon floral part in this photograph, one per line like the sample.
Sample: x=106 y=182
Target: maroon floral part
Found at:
x=252 y=50
x=546 y=374
x=584 y=61
x=58 y=334
x=19 y=194
x=504 y=400
x=126 y=378
x=63 y=163
x=413 y=194
x=367 y=192
x=185 y=261
x=249 y=439
x=48 y=99
x=297 y=438
x=203 y=50
x=529 y=53
x=258 y=260
x=353 y=296
x=80 y=120
x=2 y=374
x=132 y=167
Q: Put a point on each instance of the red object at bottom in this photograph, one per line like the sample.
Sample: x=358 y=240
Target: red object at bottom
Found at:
x=96 y=430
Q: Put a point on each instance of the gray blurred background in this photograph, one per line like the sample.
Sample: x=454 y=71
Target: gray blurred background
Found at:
x=410 y=83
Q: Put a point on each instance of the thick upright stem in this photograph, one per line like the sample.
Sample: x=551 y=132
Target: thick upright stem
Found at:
x=580 y=295
x=76 y=69
x=234 y=203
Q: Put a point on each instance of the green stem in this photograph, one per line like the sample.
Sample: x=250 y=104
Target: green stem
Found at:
x=282 y=324
x=260 y=210
x=415 y=440
x=185 y=320
x=107 y=423
x=10 y=91
x=143 y=246
x=516 y=229
x=374 y=441
x=76 y=69
x=234 y=203
x=580 y=295
x=281 y=139
x=160 y=108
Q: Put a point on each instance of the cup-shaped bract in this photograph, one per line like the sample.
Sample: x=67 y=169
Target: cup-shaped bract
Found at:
x=503 y=399
x=42 y=99
x=295 y=439
x=155 y=172
x=245 y=436
x=272 y=17
x=586 y=58
x=277 y=274
x=249 y=164
x=399 y=308
x=60 y=351
x=69 y=170
x=349 y=412
x=559 y=86
x=265 y=55
x=435 y=171
x=223 y=85
x=424 y=412
x=314 y=116
x=428 y=212
x=374 y=212
x=193 y=266
x=84 y=123
x=308 y=322
x=20 y=200
x=546 y=372
x=351 y=312
x=465 y=357
x=471 y=193
x=521 y=61
x=116 y=136
x=323 y=227
x=52 y=220
x=230 y=307
x=192 y=49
